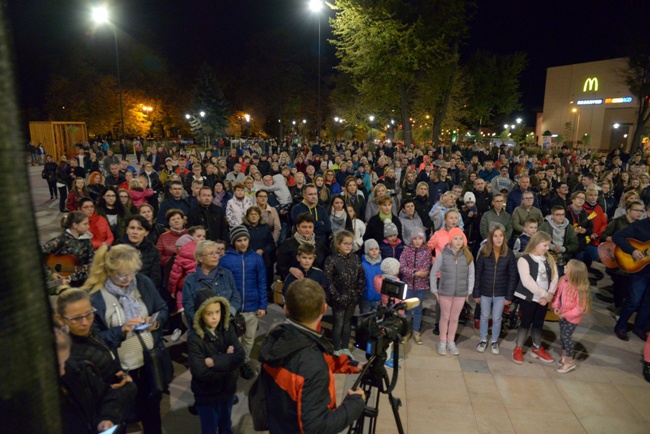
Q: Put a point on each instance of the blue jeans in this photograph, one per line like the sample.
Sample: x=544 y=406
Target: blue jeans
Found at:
x=635 y=300
x=216 y=418
x=368 y=306
x=493 y=305
x=416 y=313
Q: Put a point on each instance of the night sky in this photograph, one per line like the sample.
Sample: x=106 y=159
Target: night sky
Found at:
x=187 y=32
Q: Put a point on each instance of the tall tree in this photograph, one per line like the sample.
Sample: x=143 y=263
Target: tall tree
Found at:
x=209 y=97
x=493 y=86
x=637 y=78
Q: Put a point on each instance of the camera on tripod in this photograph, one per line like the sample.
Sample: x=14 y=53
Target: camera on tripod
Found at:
x=376 y=330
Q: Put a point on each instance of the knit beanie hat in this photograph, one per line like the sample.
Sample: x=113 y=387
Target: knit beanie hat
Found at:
x=390 y=266
x=469 y=197
x=455 y=232
x=417 y=234
x=237 y=232
x=389 y=228
x=369 y=244
x=187 y=238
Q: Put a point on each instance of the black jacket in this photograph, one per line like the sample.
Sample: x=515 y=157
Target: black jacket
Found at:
x=261 y=237
x=422 y=206
x=289 y=250
x=212 y=218
x=218 y=383
x=86 y=400
x=346 y=278
x=297 y=363
x=375 y=228
x=150 y=256
x=495 y=278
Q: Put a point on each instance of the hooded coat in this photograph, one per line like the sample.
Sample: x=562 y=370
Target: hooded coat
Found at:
x=562 y=235
x=298 y=377
x=249 y=272
x=213 y=385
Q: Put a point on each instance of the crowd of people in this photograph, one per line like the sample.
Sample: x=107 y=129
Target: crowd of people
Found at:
x=204 y=240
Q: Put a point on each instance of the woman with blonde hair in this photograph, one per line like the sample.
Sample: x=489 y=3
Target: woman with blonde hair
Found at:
x=125 y=300
x=538 y=278
x=372 y=206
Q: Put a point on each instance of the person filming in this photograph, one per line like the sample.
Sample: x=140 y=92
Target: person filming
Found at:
x=297 y=368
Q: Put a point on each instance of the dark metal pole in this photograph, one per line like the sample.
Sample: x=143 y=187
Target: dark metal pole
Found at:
x=29 y=398
x=319 y=124
x=119 y=82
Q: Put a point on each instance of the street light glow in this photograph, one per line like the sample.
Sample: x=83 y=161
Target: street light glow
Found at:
x=512 y=126
x=372 y=118
x=100 y=14
x=574 y=110
x=616 y=125
x=247 y=117
x=202 y=114
x=336 y=119
x=505 y=126
x=315 y=5
x=187 y=116
x=304 y=121
x=518 y=120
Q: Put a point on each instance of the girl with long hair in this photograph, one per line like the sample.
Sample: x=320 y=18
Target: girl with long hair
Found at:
x=456 y=267
x=78 y=191
x=494 y=287
x=572 y=301
x=538 y=277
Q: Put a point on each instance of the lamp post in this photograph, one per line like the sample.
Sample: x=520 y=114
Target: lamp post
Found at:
x=100 y=16
x=575 y=134
x=316 y=6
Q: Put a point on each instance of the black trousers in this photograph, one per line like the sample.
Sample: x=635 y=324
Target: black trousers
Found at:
x=63 y=195
x=147 y=405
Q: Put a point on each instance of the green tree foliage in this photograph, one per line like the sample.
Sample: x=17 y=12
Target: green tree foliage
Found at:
x=209 y=97
x=493 y=86
x=401 y=54
x=637 y=78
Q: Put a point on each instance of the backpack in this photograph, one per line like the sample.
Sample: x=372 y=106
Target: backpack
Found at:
x=257 y=404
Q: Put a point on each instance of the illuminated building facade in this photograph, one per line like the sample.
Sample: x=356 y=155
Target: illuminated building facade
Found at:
x=589 y=103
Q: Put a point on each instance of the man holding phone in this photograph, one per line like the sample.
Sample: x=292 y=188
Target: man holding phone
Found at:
x=297 y=368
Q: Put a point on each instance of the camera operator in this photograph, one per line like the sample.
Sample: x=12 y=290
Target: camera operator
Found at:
x=297 y=364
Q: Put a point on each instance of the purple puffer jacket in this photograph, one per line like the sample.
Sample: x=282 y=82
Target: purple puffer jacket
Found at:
x=413 y=260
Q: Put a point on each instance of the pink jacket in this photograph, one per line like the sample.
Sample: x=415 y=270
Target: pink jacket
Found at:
x=413 y=260
x=567 y=301
x=440 y=239
x=184 y=264
x=140 y=197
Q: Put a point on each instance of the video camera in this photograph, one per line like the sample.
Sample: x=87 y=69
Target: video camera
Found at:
x=376 y=330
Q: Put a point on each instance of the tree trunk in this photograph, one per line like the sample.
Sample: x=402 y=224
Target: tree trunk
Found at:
x=29 y=375
x=642 y=119
x=440 y=110
x=405 y=109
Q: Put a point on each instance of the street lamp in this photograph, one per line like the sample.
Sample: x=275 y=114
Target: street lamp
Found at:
x=316 y=6
x=101 y=16
x=577 y=129
x=518 y=120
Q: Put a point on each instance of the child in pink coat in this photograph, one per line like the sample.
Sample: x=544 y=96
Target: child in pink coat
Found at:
x=572 y=300
x=185 y=263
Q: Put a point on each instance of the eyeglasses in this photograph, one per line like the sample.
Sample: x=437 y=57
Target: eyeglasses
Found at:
x=109 y=195
x=215 y=253
x=123 y=196
x=77 y=319
x=638 y=210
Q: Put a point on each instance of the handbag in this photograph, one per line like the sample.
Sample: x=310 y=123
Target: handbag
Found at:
x=158 y=368
x=239 y=323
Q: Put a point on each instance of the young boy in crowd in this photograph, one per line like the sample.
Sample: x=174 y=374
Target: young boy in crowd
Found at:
x=391 y=246
x=371 y=263
x=215 y=355
x=306 y=256
x=247 y=267
x=530 y=228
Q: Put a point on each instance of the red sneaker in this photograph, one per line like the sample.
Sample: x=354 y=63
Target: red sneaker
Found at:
x=477 y=324
x=518 y=355
x=542 y=355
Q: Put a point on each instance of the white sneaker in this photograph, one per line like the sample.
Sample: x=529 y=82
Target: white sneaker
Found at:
x=495 y=348
x=481 y=346
x=442 y=348
x=451 y=346
x=176 y=335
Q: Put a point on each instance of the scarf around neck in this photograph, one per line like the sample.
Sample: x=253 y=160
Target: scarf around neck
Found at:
x=126 y=297
x=373 y=261
x=383 y=216
x=302 y=240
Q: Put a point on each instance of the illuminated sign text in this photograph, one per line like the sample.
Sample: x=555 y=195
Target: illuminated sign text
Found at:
x=591 y=85
x=589 y=101
x=622 y=100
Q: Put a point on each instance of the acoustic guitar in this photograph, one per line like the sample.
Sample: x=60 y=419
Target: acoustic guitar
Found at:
x=613 y=256
x=64 y=265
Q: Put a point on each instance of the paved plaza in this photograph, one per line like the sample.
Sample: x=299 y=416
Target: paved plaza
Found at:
x=471 y=393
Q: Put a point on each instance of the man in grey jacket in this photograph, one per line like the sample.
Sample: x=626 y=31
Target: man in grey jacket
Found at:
x=496 y=215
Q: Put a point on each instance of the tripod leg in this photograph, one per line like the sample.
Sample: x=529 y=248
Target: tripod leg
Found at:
x=395 y=404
